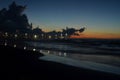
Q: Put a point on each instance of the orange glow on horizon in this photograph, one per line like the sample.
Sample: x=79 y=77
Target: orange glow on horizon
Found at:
x=95 y=35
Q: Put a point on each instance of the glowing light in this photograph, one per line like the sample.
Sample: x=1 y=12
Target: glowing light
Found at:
x=59 y=54
x=65 y=54
x=48 y=52
x=61 y=36
x=66 y=34
x=40 y=51
x=14 y=45
x=26 y=34
x=34 y=49
x=24 y=47
x=35 y=36
x=5 y=44
x=42 y=35
x=50 y=37
x=6 y=34
x=16 y=35
x=56 y=36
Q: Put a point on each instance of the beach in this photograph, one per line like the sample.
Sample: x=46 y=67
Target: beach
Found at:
x=18 y=64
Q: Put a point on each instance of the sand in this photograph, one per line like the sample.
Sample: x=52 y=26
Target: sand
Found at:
x=18 y=64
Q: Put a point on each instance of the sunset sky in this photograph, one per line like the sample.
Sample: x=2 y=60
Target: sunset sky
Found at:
x=100 y=17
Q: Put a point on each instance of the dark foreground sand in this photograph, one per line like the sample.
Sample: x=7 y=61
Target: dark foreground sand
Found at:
x=17 y=64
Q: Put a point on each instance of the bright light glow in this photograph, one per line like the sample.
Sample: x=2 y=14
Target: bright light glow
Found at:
x=5 y=44
x=65 y=54
x=56 y=36
x=40 y=51
x=66 y=34
x=14 y=45
x=26 y=34
x=6 y=34
x=50 y=37
x=61 y=34
x=24 y=47
x=16 y=35
x=60 y=54
x=34 y=49
x=42 y=35
x=35 y=36
x=48 y=52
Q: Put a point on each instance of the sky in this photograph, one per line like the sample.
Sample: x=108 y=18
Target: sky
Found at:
x=100 y=17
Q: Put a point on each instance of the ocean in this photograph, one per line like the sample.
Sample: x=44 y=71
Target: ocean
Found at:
x=100 y=54
x=104 y=51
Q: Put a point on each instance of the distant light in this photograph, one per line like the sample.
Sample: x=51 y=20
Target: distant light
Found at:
x=49 y=37
x=35 y=36
x=24 y=47
x=66 y=34
x=65 y=54
x=6 y=34
x=40 y=51
x=60 y=54
x=5 y=44
x=16 y=35
x=61 y=34
x=26 y=34
x=14 y=45
x=34 y=49
x=56 y=36
x=48 y=52
x=42 y=35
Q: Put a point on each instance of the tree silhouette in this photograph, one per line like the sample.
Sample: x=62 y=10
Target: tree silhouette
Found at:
x=13 y=20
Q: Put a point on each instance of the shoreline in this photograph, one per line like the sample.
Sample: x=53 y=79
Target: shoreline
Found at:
x=25 y=64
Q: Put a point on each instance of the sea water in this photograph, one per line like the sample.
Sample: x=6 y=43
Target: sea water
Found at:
x=93 y=50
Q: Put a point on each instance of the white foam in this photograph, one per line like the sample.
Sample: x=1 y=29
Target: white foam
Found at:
x=82 y=64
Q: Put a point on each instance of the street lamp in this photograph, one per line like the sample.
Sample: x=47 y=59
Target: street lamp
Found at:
x=5 y=44
x=24 y=47
x=49 y=37
x=16 y=35
x=34 y=49
x=14 y=45
x=42 y=35
x=6 y=34
x=26 y=34
x=35 y=36
x=56 y=36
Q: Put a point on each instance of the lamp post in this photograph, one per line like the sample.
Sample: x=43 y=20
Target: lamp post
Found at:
x=61 y=35
x=66 y=36
x=16 y=35
x=42 y=35
x=35 y=36
x=6 y=34
x=34 y=49
x=56 y=36
x=49 y=37
x=26 y=35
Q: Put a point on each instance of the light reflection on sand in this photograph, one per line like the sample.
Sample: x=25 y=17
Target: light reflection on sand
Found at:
x=104 y=59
